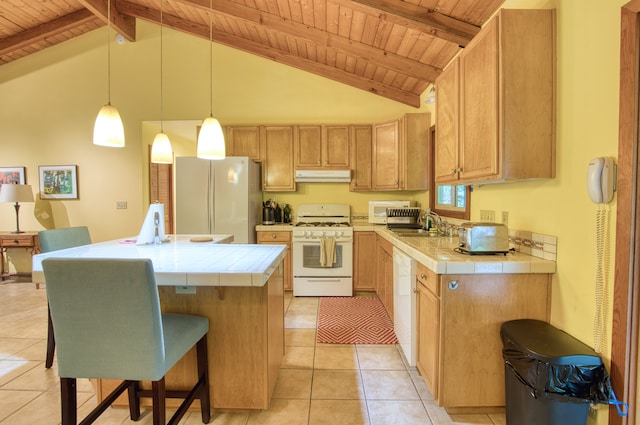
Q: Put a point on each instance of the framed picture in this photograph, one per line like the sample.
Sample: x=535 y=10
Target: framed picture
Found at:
x=58 y=181
x=12 y=175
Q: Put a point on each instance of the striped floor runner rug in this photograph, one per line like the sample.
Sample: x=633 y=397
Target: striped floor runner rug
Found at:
x=354 y=320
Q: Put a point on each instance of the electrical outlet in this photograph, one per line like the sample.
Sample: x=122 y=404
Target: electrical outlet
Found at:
x=487 y=215
x=186 y=290
x=121 y=205
x=505 y=218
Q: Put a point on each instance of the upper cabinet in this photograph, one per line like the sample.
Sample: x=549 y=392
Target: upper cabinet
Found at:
x=360 y=157
x=495 y=109
x=325 y=146
x=243 y=141
x=277 y=169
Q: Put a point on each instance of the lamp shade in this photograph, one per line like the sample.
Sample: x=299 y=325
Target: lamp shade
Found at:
x=161 y=152
x=108 y=129
x=16 y=193
x=211 y=140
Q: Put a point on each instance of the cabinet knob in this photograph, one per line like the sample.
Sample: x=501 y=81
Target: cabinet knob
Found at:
x=453 y=171
x=453 y=285
x=415 y=290
x=460 y=170
x=423 y=276
x=273 y=235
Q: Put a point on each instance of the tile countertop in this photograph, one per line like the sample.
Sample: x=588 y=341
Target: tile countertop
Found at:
x=437 y=253
x=181 y=262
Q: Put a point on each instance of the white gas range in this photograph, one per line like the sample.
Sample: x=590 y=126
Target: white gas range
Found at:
x=322 y=243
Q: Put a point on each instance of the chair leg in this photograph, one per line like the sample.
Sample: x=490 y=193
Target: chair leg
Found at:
x=203 y=373
x=69 y=401
x=158 y=397
x=134 y=400
x=51 y=341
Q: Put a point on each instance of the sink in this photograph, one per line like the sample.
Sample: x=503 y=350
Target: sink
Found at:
x=421 y=233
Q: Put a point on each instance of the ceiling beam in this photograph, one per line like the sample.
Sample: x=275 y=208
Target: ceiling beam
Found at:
x=44 y=31
x=392 y=61
x=418 y=18
x=267 y=52
x=123 y=24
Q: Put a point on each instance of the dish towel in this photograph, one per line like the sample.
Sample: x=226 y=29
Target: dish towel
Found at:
x=327 y=252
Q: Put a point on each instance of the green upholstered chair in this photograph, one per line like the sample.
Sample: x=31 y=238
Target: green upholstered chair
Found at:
x=53 y=240
x=107 y=320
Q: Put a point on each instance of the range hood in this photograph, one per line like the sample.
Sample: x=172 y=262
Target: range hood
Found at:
x=330 y=176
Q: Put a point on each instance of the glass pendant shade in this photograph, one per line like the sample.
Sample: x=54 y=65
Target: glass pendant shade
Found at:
x=161 y=152
x=211 y=140
x=108 y=129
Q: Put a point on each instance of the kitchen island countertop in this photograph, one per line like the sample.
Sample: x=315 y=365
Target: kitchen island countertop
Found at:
x=181 y=262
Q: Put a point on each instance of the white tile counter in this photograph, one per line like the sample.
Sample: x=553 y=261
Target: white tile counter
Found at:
x=180 y=262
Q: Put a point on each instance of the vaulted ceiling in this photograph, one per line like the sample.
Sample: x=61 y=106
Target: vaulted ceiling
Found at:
x=392 y=48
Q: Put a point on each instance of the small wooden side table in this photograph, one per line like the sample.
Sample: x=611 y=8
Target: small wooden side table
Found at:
x=26 y=240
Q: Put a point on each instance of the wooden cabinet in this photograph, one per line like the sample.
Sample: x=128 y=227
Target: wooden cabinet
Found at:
x=278 y=173
x=361 y=155
x=384 y=273
x=280 y=238
x=27 y=240
x=502 y=87
x=428 y=327
x=459 y=345
x=322 y=147
x=243 y=141
x=400 y=153
x=364 y=260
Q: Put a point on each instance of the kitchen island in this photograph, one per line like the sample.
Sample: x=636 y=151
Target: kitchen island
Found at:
x=239 y=288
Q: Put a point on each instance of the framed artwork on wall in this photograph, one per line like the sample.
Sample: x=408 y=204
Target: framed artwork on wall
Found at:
x=12 y=175
x=58 y=181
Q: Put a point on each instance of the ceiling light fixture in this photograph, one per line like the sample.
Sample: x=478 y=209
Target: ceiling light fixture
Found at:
x=108 y=129
x=161 y=152
x=210 y=143
x=431 y=96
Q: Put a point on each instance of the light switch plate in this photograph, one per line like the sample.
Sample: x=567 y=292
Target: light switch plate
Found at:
x=487 y=215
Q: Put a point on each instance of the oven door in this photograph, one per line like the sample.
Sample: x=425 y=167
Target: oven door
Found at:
x=306 y=259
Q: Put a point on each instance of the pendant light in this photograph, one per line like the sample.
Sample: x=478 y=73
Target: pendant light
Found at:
x=211 y=139
x=161 y=152
x=108 y=129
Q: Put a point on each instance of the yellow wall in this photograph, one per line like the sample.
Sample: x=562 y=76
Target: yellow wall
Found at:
x=48 y=103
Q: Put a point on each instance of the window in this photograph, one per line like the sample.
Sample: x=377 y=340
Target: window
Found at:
x=447 y=200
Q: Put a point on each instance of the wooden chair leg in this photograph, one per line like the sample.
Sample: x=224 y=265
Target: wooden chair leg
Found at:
x=51 y=341
x=68 y=401
x=203 y=373
x=159 y=407
x=134 y=400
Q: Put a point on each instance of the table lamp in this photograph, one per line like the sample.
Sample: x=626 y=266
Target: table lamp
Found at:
x=16 y=193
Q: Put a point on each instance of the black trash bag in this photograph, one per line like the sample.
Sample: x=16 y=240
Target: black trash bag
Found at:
x=554 y=365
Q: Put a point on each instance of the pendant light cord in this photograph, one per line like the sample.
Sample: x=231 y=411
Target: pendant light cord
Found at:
x=211 y=57
x=161 y=97
x=108 y=52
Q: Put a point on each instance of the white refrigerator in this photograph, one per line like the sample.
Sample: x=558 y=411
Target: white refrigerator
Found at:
x=218 y=197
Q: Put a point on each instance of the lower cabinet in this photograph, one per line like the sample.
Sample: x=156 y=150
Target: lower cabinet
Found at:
x=364 y=260
x=384 y=273
x=459 y=346
x=280 y=238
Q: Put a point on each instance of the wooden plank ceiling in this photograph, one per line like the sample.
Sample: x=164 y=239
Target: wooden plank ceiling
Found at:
x=392 y=48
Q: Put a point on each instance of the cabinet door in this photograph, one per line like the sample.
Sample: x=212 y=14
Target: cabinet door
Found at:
x=417 y=132
x=280 y=238
x=277 y=169
x=364 y=260
x=361 y=157
x=308 y=150
x=386 y=156
x=428 y=334
x=473 y=309
x=446 y=143
x=335 y=147
x=479 y=132
x=244 y=141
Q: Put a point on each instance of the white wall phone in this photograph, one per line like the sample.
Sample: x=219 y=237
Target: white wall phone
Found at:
x=600 y=180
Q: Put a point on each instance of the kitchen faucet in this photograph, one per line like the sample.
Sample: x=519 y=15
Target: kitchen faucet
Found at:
x=438 y=219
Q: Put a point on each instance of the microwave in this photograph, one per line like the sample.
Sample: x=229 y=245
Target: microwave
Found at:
x=378 y=210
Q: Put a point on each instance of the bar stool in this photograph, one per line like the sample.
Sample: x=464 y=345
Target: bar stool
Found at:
x=53 y=240
x=108 y=325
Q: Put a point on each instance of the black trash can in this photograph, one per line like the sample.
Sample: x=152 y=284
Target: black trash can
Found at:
x=550 y=376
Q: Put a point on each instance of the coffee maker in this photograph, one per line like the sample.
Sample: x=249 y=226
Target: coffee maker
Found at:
x=268 y=212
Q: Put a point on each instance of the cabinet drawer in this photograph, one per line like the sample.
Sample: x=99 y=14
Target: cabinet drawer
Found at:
x=274 y=237
x=17 y=241
x=428 y=278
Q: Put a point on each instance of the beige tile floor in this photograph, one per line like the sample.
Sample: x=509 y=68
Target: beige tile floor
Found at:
x=319 y=383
